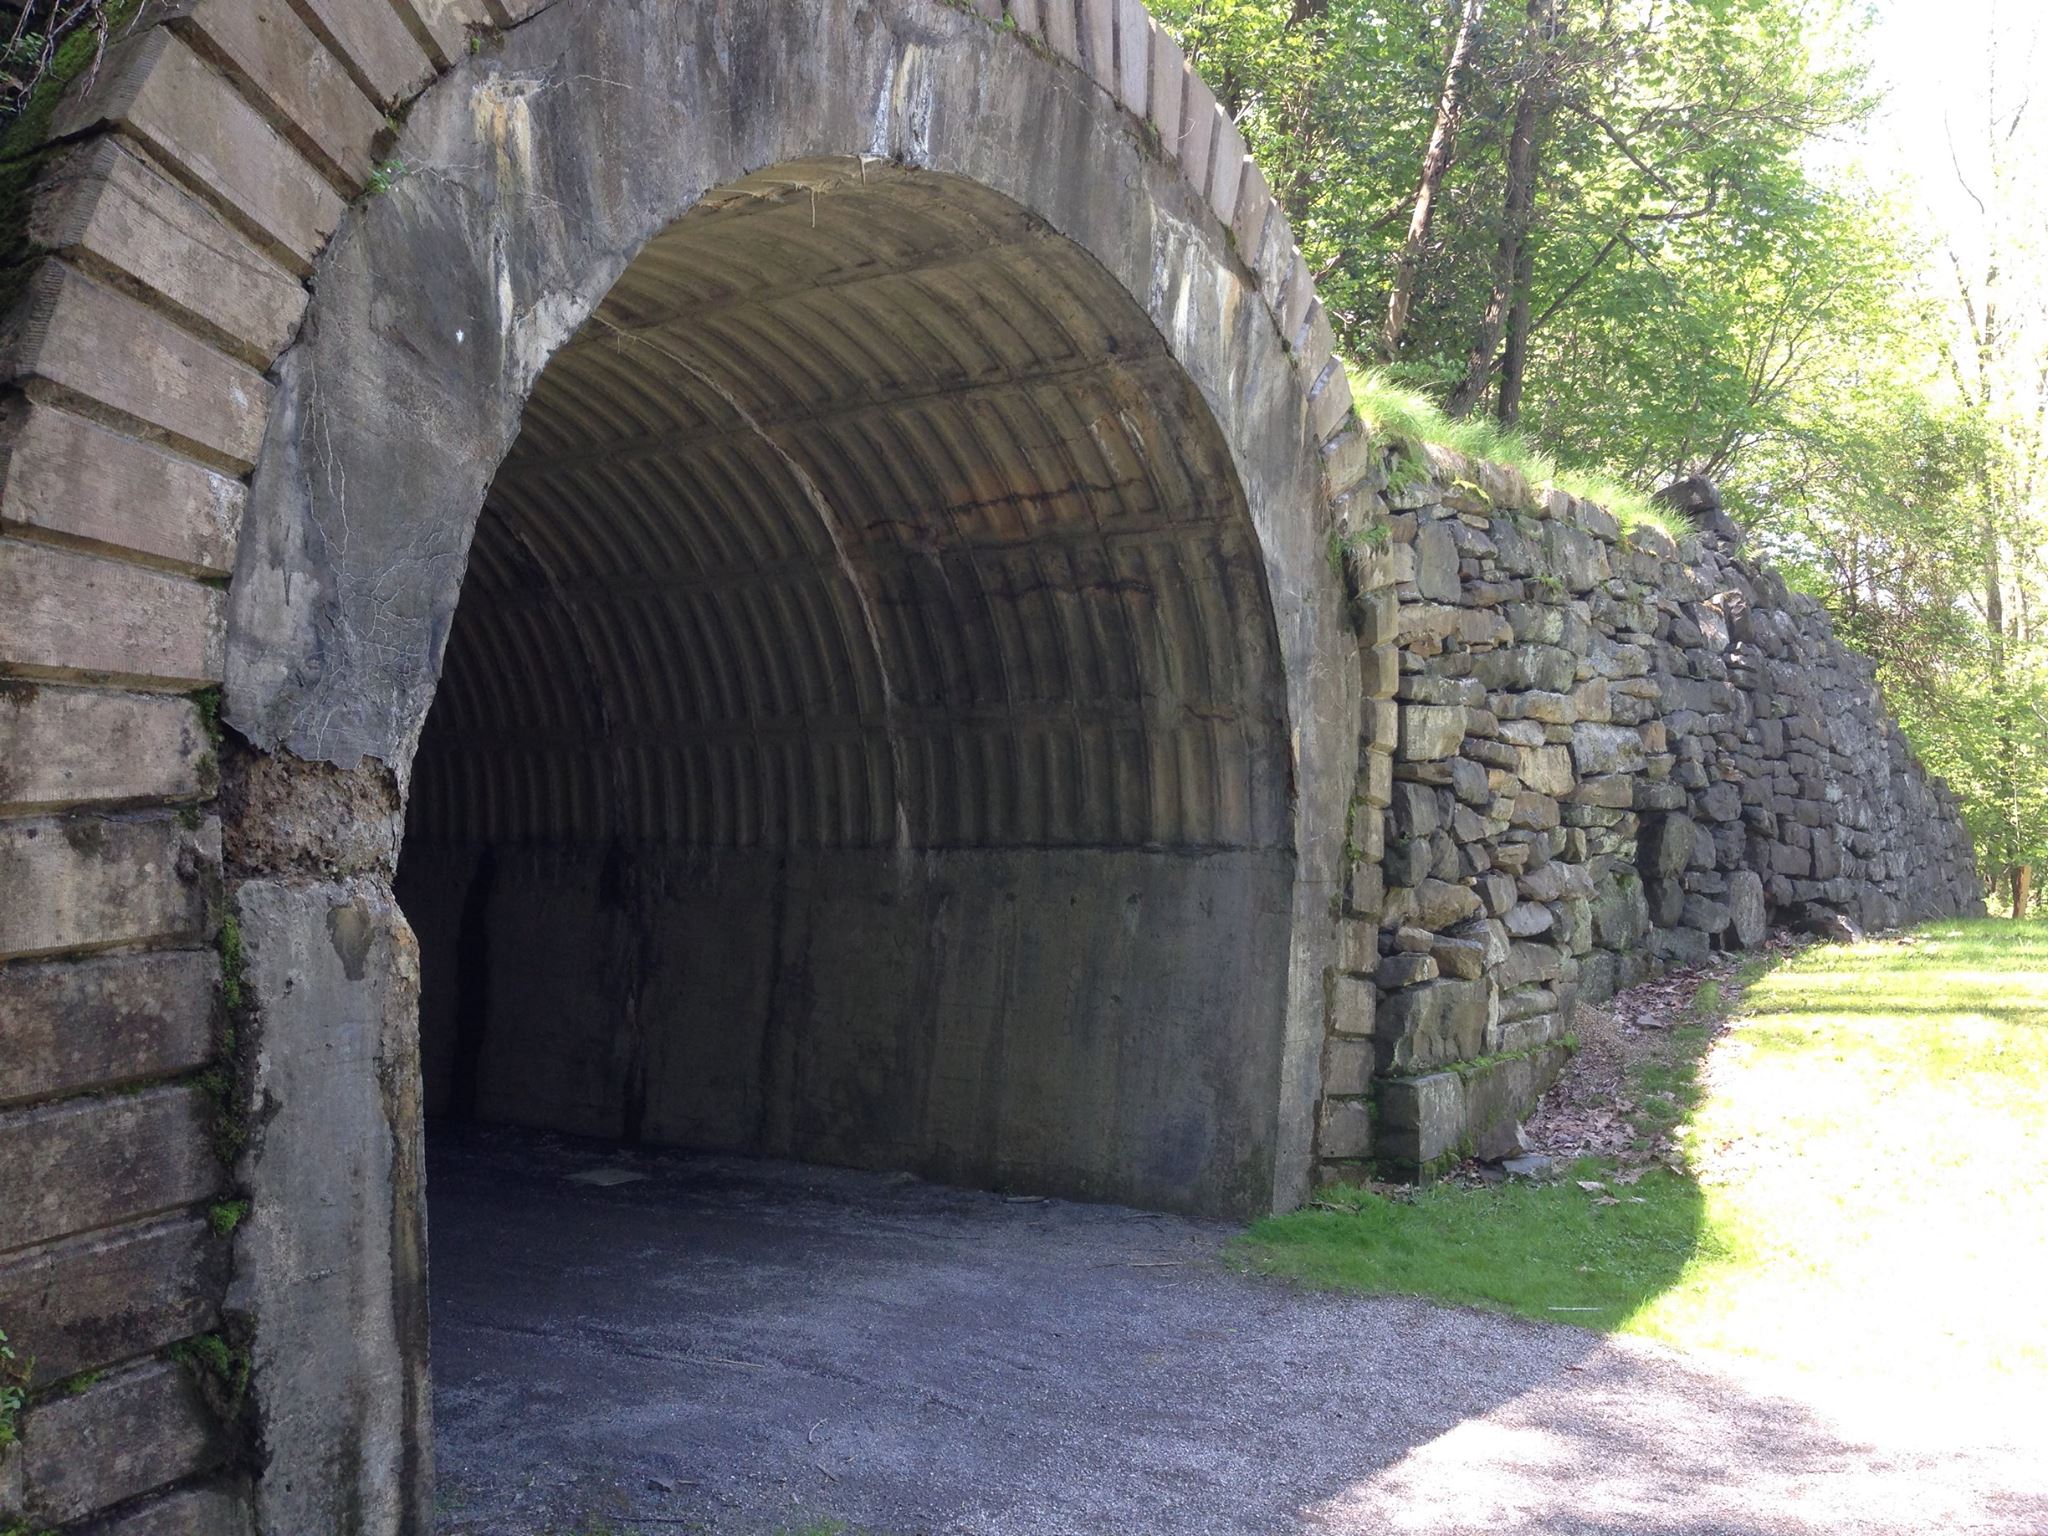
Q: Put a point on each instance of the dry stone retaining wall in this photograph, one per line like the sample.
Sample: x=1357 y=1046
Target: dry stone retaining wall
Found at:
x=1588 y=754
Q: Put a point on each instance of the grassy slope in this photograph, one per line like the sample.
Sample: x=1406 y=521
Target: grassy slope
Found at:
x=1405 y=414
x=1869 y=1142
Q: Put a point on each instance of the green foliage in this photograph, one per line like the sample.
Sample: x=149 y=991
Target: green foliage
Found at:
x=226 y=1215
x=1683 y=251
x=209 y=700
x=384 y=175
x=14 y=1378
x=1712 y=287
x=221 y=1368
x=1411 y=419
x=1545 y=1250
x=234 y=963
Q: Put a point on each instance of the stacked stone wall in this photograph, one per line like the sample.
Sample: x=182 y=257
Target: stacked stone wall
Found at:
x=1587 y=754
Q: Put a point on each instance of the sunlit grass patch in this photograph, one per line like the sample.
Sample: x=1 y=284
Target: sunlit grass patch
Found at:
x=1870 y=1146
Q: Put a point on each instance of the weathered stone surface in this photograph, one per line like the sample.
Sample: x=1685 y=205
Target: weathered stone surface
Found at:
x=1347 y=1071
x=62 y=747
x=264 y=44
x=218 y=1511
x=62 y=474
x=1546 y=667
x=66 y=1026
x=1354 y=1005
x=75 y=616
x=1430 y=731
x=110 y=1296
x=1415 y=811
x=1404 y=970
x=1554 y=881
x=1747 y=915
x=1407 y=861
x=101 y=199
x=1705 y=914
x=1615 y=792
x=122 y=1436
x=1528 y=963
x=1436 y=563
x=1499 y=1093
x=191 y=116
x=1422 y=1119
x=88 y=1163
x=1439 y=904
x=1604 y=749
x=90 y=882
x=1665 y=845
x=1464 y=959
x=1545 y=770
x=91 y=340
x=1621 y=913
x=377 y=47
x=1665 y=902
x=1347 y=1128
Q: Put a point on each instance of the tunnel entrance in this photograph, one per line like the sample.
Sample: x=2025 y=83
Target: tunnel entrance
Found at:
x=861 y=737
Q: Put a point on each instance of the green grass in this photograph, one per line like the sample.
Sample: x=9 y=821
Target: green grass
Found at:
x=1411 y=417
x=1868 y=1141
x=1543 y=1250
x=1871 y=1146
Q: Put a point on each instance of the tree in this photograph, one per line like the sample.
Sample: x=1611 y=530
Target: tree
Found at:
x=1436 y=159
x=1628 y=229
x=1997 y=358
x=1513 y=266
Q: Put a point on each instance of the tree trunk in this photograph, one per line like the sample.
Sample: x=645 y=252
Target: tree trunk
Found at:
x=1514 y=357
x=1517 y=203
x=1436 y=160
x=2022 y=888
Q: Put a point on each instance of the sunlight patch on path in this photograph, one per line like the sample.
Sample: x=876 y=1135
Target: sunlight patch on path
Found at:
x=1639 y=1442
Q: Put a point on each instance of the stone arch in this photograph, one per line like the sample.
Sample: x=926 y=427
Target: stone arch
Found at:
x=161 y=438
x=867 y=635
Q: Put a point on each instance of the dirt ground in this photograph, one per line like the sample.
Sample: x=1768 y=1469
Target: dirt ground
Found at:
x=631 y=1341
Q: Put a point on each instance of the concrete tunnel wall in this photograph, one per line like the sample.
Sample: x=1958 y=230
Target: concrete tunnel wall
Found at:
x=861 y=736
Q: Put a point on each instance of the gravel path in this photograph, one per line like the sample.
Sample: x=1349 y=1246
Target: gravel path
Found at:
x=744 y=1347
